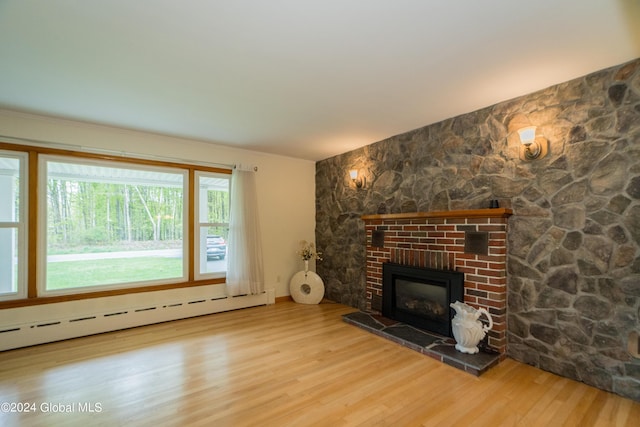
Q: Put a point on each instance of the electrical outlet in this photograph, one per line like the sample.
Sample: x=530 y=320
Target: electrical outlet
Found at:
x=634 y=344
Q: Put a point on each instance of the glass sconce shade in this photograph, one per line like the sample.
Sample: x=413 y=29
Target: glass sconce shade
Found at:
x=533 y=146
x=527 y=135
x=358 y=181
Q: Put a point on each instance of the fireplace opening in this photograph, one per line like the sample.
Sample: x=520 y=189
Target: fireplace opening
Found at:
x=421 y=296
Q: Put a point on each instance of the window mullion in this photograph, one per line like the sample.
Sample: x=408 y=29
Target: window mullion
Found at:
x=191 y=226
x=32 y=221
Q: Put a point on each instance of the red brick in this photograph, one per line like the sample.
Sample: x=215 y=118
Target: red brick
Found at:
x=418 y=234
x=491 y=288
x=498 y=318
x=428 y=240
x=419 y=246
x=497 y=296
x=498 y=327
x=456 y=221
x=444 y=241
x=497 y=250
x=498 y=345
x=451 y=259
x=472 y=221
x=492 y=273
x=478 y=264
x=491 y=258
x=446 y=227
x=470 y=300
x=435 y=234
x=455 y=234
x=470 y=285
x=490 y=303
x=490 y=228
x=498 y=281
x=475 y=293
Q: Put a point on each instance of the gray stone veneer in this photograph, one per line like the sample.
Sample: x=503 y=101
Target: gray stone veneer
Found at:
x=574 y=239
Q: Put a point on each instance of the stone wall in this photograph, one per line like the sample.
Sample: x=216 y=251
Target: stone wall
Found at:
x=574 y=240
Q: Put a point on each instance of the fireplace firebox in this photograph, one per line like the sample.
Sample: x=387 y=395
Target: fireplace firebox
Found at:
x=421 y=296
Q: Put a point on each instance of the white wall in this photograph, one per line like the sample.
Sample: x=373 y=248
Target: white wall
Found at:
x=286 y=185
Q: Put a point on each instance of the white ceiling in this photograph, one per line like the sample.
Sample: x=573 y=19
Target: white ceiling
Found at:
x=302 y=78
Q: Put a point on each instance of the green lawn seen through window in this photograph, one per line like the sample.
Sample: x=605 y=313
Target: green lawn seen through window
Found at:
x=86 y=273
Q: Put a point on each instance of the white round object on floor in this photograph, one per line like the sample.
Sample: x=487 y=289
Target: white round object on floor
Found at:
x=306 y=287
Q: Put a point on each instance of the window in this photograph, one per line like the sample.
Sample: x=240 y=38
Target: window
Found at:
x=212 y=230
x=110 y=225
x=80 y=225
x=13 y=228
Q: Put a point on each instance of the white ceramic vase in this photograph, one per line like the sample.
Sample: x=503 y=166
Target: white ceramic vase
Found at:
x=306 y=287
x=467 y=329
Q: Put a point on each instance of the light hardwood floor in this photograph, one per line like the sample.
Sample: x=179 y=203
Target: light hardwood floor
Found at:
x=281 y=365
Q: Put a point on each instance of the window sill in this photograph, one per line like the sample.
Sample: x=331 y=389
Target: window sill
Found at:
x=26 y=302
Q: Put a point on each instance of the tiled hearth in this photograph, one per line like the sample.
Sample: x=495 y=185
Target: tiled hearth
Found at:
x=438 y=240
x=435 y=346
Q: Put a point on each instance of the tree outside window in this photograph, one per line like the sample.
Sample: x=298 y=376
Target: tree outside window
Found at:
x=111 y=225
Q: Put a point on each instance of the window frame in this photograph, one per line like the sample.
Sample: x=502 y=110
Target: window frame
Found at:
x=30 y=295
x=20 y=225
x=43 y=217
x=198 y=224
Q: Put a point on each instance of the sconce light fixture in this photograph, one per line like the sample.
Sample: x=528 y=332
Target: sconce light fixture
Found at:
x=533 y=147
x=358 y=181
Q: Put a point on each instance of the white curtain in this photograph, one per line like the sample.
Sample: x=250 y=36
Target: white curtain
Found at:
x=244 y=267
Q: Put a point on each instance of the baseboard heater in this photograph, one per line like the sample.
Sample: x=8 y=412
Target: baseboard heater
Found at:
x=50 y=330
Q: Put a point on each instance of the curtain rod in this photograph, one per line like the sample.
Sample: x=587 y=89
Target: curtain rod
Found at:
x=241 y=167
x=75 y=147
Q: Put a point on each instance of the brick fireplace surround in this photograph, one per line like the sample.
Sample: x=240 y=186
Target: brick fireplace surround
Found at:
x=437 y=240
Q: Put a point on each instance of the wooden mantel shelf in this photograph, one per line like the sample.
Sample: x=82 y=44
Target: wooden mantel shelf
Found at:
x=467 y=213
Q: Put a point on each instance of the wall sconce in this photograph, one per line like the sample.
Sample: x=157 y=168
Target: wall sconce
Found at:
x=358 y=181
x=533 y=147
